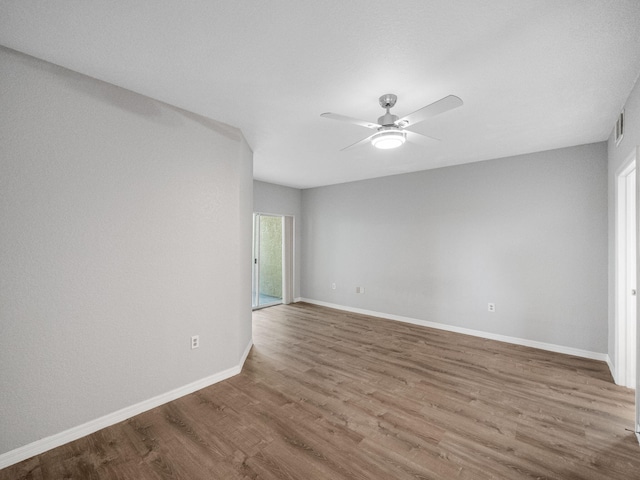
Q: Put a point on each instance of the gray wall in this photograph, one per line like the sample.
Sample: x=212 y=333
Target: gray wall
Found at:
x=528 y=233
x=124 y=225
x=270 y=198
x=617 y=155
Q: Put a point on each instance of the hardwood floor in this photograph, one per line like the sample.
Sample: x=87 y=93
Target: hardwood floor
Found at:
x=326 y=394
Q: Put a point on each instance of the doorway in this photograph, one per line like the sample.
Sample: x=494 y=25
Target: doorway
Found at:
x=626 y=274
x=267 y=260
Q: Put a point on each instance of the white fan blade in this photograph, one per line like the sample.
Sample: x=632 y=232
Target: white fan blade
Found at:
x=355 y=121
x=358 y=143
x=420 y=139
x=436 y=108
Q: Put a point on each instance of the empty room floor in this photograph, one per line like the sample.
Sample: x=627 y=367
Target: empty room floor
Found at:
x=326 y=394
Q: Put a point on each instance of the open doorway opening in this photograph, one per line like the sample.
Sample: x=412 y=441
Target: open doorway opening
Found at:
x=627 y=332
x=626 y=273
x=267 y=260
x=272 y=260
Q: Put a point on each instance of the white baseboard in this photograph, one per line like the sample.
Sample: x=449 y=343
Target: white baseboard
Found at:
x=45 y=444
x=244 y=356
x=612 y=368
x=467 y=331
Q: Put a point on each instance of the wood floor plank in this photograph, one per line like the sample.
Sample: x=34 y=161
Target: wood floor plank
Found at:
x=326 y=394
x=28 y=470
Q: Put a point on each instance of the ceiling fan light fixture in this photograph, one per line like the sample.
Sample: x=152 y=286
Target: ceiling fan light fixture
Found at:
x=388 y=139
x=391 y=131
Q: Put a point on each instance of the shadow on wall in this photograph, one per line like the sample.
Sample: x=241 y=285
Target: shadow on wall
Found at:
x=119 y=97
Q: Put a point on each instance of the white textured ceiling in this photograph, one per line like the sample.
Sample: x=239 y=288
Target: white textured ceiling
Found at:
x=534 y=75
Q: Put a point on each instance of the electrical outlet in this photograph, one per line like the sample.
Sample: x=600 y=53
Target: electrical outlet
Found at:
x=195 y=341
x=359 y=289
x=492 y=307
x=333 y=286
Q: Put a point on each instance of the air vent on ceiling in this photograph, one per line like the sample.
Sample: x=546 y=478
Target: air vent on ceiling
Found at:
x=619 y=127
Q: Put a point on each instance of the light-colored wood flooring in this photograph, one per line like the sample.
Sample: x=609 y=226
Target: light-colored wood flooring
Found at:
x=326 y=394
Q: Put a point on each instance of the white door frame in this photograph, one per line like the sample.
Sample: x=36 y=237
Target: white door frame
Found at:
x=637 y=247
x=288 y=255
x=621 y=277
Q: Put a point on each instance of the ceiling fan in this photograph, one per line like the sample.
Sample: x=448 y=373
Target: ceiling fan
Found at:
x=391 y=130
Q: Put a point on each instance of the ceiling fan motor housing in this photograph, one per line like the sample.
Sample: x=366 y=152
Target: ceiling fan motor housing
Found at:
x=387 y=119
